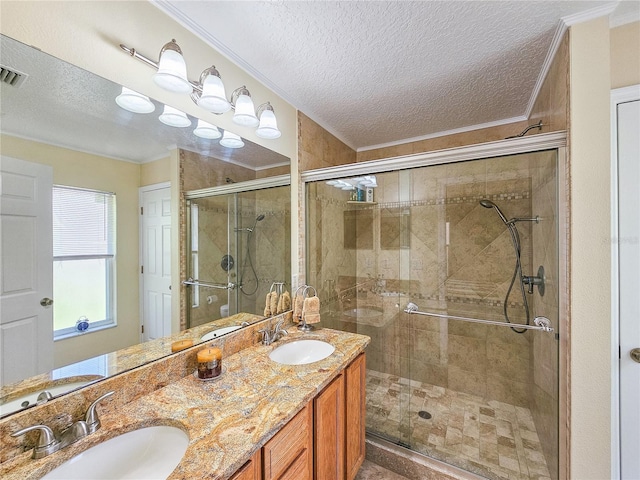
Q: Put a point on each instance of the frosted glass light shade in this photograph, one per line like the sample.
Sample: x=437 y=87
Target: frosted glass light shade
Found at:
x=214 y=98
x=172 y=73
x=206 y=130
x=268 y=126
x=134 y=102
x=231 y=140
x=174 y=117
x=245 y=112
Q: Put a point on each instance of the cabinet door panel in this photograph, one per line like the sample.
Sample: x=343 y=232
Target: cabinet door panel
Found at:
x=329 y=431
x=355 y=415
x=287 y=445
x=252 y=470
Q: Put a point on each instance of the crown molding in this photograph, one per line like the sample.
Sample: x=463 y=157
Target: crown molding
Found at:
x=591 y=14
x=444 y=133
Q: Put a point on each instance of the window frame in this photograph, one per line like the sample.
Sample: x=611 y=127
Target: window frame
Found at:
x=110 y=276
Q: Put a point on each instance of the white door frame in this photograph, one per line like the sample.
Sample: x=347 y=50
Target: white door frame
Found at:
x=141 y=192
x=619 y=95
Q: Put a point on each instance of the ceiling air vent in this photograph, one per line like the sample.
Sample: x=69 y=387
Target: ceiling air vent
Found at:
x=12 y=77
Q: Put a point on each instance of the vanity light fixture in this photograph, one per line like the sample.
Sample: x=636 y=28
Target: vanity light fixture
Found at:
x=231 y=140
x=354 y=183
x=268 y=125
x=134 y=102
x=174 y=117
x=172 y=70
x=213 y=97
x=206 y=130
x=209 y=92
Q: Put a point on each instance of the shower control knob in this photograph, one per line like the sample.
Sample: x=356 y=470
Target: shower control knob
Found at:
x=635 y=355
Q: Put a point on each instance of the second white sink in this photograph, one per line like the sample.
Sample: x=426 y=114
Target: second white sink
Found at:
x=152 y=452
x=301 y=352
x=219 y=331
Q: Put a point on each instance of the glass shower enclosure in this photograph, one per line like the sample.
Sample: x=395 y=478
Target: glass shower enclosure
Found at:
x=460 y=241
x=238 y=239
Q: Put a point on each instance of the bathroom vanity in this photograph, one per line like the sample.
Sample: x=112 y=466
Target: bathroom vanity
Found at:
x=259 y=419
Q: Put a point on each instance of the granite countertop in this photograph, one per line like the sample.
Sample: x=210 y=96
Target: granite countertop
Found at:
x=228 y=419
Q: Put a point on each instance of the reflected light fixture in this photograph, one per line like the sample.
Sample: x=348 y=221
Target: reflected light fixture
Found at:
x=206 y=130
x=209 y=92
x=231 y=140
x=268 y=125
x=172 y=70
x=174 y=117
x=134 y=102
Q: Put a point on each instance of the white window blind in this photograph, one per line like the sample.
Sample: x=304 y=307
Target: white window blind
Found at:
x=83 y=222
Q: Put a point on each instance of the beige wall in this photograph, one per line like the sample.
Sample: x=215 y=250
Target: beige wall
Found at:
x=590 y=256
x=158 y=171
x=87 y=34
x=625 y=55
x=85 y=170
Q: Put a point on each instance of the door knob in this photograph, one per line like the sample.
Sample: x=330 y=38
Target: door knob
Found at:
x=635 y=354
x=46 y=302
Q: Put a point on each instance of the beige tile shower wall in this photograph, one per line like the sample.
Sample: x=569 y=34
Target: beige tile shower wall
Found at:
x=317 y=148
x=203 y=172
x=551 y=105
x=271 y=259
x=212 y=219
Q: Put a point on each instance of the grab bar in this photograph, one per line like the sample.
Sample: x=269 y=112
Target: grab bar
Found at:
x=198 y=283
x=541 y=323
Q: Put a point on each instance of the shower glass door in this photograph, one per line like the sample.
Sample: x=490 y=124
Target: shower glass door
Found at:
x=455 y=239
x=240 y=239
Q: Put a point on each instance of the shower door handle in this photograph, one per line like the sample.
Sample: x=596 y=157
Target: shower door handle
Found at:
x=635 y=355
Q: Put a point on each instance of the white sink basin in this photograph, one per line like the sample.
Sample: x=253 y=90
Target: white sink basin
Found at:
x=219 y=331
x=301 y=352
x=17 y=403
x=151 y=452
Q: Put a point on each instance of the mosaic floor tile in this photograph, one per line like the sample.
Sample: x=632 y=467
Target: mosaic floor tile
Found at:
x=489 y=438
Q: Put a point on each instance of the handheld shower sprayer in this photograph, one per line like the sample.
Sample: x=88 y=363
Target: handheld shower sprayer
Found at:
x=247 y=258
x=517 y=272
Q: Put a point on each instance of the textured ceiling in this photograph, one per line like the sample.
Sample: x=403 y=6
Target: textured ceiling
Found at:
x=63 y=105
x=380 y=72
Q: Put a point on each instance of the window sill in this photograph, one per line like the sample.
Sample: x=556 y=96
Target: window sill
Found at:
x=75 y=333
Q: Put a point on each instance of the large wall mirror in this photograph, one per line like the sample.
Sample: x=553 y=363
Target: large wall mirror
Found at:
x=61 y=120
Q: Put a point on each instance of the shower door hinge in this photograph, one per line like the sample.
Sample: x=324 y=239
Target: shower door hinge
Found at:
x=141 y=328
x=141 y=268
x=141 y=210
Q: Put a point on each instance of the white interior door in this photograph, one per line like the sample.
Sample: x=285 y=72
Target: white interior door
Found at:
x=26 y=272
x=155 y=252
x=628 y=120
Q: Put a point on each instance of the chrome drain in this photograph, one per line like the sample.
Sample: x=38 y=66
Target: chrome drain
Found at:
x=424 y=414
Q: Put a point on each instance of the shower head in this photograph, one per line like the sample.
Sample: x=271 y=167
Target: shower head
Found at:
x=260 y=217
x=489 y=204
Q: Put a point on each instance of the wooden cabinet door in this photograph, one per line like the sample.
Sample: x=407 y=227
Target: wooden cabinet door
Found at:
x=355 y=378
x=329 y=431
x=252 y=470
x=290 y=450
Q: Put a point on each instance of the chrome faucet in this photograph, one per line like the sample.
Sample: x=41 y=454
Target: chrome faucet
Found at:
x=269 y=336
x=47 y=443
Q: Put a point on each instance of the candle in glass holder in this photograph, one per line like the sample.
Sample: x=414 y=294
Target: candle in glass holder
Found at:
x=209 y=363
x=181 y=345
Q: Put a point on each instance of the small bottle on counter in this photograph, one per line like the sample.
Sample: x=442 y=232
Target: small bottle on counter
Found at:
x=209 y=363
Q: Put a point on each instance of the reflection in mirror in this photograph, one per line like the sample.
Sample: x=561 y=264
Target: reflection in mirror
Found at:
x=64 y=120
x=239 y=239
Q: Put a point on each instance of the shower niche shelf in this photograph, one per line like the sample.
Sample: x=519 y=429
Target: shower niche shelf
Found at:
x=356 y=202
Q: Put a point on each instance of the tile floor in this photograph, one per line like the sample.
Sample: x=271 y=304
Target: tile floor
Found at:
x=490 y=438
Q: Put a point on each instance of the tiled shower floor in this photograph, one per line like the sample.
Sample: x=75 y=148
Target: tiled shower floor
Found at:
x=492 y=439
